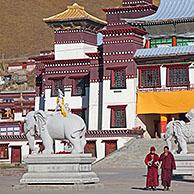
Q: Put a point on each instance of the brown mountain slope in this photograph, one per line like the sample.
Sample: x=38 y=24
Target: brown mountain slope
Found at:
x=22 y=31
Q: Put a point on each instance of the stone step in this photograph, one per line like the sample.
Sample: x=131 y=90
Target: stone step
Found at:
x=132 y=154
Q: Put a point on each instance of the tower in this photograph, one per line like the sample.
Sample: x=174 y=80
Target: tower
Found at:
x=75 y=35
x=120 y=41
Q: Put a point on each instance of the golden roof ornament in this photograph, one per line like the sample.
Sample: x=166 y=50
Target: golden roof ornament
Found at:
x=75 y=6
x=74 y=12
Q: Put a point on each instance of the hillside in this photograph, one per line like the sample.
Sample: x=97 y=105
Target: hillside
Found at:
x=22 y=31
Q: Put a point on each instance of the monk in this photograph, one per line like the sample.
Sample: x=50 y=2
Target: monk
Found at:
x=152 y=162
x=167 y=165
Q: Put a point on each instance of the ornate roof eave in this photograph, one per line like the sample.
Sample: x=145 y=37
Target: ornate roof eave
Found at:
x=164 y=64
x=93 y=55
x=126 y=8
x=168 y=27
x=185 y=35
x=183 y=59
x=172 y=17
x=66 y=61
x=76 y=24
x=74 y=13
x=162 y=56
x=164 y=52
x=74 y=20
x=119 y=30
x=144 y=23
x=135 y=132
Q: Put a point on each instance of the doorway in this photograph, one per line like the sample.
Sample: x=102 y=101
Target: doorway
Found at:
x=16 y=154
x=110 y=146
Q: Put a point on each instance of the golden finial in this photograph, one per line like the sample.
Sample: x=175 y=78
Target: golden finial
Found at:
x=75 y=6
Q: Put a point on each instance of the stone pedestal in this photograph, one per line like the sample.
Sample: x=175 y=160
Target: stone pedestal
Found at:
x=59 y=169
x=184 y=164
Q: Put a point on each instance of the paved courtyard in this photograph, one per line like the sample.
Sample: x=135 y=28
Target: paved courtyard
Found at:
x=115 y=181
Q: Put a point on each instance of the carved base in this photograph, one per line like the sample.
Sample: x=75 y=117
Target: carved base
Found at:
x=59 y=169
x=184 y=164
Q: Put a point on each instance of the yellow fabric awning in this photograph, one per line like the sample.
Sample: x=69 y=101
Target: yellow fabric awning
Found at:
x=165 y=102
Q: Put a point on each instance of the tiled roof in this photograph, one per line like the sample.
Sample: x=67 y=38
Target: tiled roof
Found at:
x=74 y=12
x=164 y=51
x=169 y=11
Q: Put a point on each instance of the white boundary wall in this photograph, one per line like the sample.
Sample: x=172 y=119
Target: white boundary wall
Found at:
x=59 y=147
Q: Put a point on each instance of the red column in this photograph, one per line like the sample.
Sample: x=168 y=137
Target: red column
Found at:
x=174 y=41
x=163 y=123
x=147 y=43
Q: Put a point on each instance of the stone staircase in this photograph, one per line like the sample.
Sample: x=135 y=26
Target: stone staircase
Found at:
x=132 y=154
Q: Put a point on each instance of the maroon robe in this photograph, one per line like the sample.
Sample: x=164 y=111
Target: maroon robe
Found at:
x=152 y=173
x=168 y=165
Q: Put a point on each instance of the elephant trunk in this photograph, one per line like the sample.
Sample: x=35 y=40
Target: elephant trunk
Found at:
x=31 y=141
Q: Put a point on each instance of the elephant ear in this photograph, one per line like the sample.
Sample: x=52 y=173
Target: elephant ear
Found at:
x=40 y=120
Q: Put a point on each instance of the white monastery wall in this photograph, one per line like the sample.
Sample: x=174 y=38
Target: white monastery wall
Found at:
x=120 y=97
x=37 y=103
x=191 y=75
x=73 y=51
x=18 y=116
x=73 y=101
x=93 y=106
x=163 y=75
x=59 y=147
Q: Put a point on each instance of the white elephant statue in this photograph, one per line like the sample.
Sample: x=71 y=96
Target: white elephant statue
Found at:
x=183 y=133
x=53 y=125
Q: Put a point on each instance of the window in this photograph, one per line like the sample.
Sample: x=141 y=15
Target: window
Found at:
x=118 y=116
x=4 y=151
x=91 y=147
x=57 y=84
x=167 y=42
x=118 y=79
x=177 y=76
x=80 y=112
x=78 y=87
x=161 y=42
x=110 y=146
x=185 y=41
x=9 y=130
x=149 y=77
x=39 y=80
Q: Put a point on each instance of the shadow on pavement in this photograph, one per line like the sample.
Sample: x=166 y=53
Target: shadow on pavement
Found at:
x=189 y=179
x=144 y=189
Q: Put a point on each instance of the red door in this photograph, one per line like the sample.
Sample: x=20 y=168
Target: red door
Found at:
x=110 y=146
x=91 y=148
x=16 y=154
